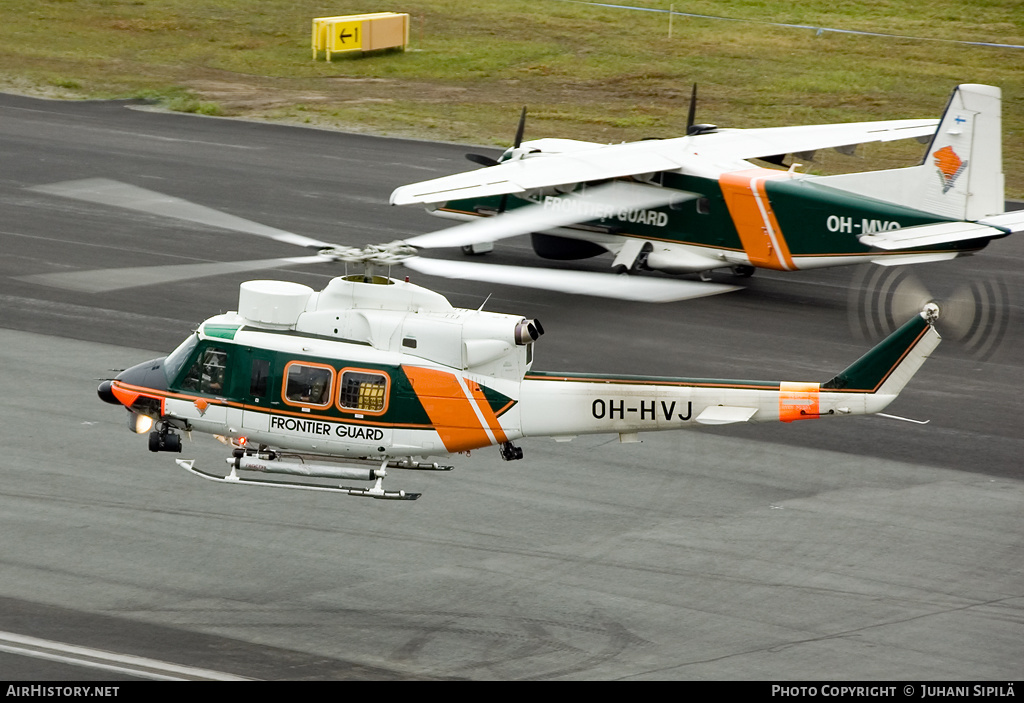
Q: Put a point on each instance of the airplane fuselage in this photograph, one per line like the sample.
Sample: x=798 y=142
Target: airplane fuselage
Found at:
x=757 y=217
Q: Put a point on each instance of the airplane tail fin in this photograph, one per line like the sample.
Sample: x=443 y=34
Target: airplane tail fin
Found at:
x=890 y=365
x=966 y=156
x=961 y=176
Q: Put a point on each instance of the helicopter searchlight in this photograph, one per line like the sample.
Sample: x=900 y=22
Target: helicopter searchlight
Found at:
x=373 y=374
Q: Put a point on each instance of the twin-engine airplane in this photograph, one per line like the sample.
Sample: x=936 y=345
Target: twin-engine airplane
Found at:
x=720 y=210
x=380 y=374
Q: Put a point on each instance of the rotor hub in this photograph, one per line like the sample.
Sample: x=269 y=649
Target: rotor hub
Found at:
x=385 y=254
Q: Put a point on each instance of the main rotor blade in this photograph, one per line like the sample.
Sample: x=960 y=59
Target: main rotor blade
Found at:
x=106 y=280
x=109 y=192
x=611 y=200
x=605 y=285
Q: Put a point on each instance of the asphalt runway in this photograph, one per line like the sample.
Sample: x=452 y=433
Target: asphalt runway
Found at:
x=833 y=550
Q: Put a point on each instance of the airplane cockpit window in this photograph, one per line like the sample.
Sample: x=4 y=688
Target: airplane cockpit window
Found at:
x=209 y=372
x=306 y=384
x=364 y=391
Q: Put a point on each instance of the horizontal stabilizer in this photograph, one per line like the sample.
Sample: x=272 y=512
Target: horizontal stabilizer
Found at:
x=1012 y=222
x=930 y=235
x=724 y=415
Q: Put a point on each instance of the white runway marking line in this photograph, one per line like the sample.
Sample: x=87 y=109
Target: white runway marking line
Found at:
x=108 y=661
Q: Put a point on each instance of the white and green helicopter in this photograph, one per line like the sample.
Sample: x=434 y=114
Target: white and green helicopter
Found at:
x=374 y=373
x=721 y=209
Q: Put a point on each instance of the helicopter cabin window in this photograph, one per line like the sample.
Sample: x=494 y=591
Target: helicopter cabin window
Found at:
x=308 y=384
x=363 y=391
x=208 y=373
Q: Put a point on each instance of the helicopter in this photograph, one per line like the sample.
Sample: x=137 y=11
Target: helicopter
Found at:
x=375 y=373
x=724 y=210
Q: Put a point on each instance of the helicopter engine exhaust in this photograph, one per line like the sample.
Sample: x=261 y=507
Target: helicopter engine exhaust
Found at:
x=528 y=332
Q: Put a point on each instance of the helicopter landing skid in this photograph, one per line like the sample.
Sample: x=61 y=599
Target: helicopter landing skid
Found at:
x=376 y=491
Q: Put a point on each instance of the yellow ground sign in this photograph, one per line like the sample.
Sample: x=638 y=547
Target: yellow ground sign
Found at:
x=346 y=36
x=379 y=30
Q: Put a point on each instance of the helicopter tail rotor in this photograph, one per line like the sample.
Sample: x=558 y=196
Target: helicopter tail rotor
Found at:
x=976 y=315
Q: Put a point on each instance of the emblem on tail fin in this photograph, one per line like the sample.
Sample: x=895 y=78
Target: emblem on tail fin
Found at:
x=950 y=167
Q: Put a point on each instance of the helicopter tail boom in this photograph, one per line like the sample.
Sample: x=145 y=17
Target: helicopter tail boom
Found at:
x=564 y=405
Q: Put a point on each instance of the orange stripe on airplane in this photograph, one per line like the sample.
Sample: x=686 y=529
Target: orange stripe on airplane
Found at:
x=448 y=408
x=752 y=215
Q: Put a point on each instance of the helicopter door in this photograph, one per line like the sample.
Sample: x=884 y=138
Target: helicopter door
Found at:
x=209 y=375
x=260 y=370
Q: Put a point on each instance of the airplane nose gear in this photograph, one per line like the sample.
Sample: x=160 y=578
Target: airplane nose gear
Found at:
x=510 y=452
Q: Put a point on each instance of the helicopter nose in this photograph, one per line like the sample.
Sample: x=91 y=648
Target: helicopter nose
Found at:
x=106 y=394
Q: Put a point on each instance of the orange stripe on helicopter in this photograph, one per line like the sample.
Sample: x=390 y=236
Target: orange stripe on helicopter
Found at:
x=798 y=401
x=448 y=408
x=752 y=215
x=127 y=395
x=489 y=416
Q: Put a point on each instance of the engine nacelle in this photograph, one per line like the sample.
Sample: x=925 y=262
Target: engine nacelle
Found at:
x=548 y=246
x=678 y=260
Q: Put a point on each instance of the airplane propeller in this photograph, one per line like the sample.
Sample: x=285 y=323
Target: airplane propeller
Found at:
x=582 y=206
x=691 y=114
x=975 y=314
x=484 y=160
x=515 y=153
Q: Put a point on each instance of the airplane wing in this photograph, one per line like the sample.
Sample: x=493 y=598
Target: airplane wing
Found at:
x=946 y=232
x=722 y=150
x=543 y=170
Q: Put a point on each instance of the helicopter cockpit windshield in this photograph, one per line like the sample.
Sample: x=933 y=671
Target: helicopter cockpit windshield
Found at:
x=174 y=361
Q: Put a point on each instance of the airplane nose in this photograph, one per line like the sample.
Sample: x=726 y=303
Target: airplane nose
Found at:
x=106 y=394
